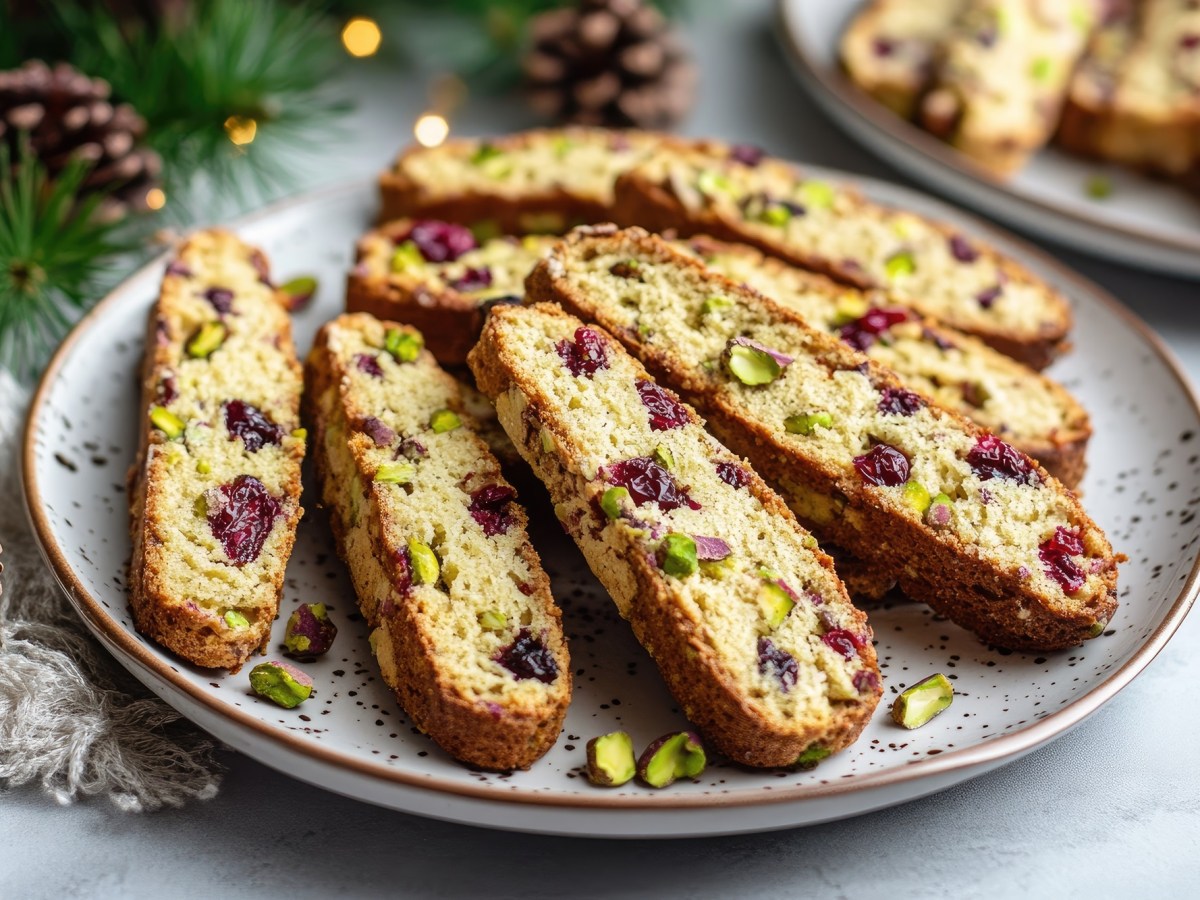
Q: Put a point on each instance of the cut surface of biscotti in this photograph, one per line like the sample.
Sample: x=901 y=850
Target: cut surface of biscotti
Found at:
x=1002 y=74
x=750 y=627
x=215 y=490
x=462 y=621
x=534 y=181
x=920 y=264
x=961 y=519
x=960 y=372
x=889 y=48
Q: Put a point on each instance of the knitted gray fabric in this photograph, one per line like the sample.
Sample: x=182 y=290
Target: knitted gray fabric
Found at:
x=70 y=717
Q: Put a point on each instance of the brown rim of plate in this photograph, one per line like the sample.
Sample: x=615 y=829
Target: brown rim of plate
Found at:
x=835 y=82
x=1010 y=746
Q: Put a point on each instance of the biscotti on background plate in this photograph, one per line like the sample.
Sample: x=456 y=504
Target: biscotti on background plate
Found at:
x=961 y=519
x=750 y=627
x=463 y=625
x=920 y=264
x=215 y=490
x=890 y=48
x=534 y=181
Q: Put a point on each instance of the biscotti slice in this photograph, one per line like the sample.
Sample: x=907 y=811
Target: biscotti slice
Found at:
x=961 y=519
x=463 y=625
x=437 y=277
x=534 y=181
x=888 y=50
x=1002 y=75
x=1090 y=93
x=920 y=264
x=750 y=627
x=1030 y=411
x=215 y=490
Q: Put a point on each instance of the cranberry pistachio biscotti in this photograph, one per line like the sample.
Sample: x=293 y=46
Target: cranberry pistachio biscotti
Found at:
x=463 y=625
x=959 y=518
x=215 y=491
x=920 y=264
x=750 y=627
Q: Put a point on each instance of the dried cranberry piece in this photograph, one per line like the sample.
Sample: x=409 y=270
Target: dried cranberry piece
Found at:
x=180 y=268
x=441 y=241
x=993 y=458
x=402 y=572
x=899 y=402
x=961 y=250
x=584 y=356
x=733 y=474
x=167 y=391
x=221 y=299
x=473 y=279
x=746 y=154
x=778 y=662
x=378 y=431
x=665 y=411
x=527 y=657
x=942 y=343
x=647 y=481
x=883 y=465
x=863 y=332
x=865 y=681
x=1189 y=41
x=365 y=362
x=843 y=641
x=489 y=507
x=989 y=296
x=883 y=47
x=1055 y=554
x=251 y=425
x=241 y=515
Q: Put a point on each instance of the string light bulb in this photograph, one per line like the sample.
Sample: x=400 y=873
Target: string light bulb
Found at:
x=241 y=129
x=361 y=37
x=431 y=129
x=156 y=198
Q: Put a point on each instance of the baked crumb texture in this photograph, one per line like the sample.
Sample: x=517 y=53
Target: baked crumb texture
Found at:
x=462 y=621
x=754 y=634
x=215 y=490
x=957 y=517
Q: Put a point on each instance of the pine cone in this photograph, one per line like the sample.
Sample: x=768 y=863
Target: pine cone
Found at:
x=608 y=62
x=66 y=115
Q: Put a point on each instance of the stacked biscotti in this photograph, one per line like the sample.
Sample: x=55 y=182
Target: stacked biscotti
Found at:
x=918 y=263
x=750 y=627
x=215 y=490
x=958 y=517
x=463 y=625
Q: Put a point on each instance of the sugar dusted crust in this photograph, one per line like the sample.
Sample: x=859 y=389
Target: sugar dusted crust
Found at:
x=434 y=643
x=981 y=567
x=703 y=629
x=182 y=582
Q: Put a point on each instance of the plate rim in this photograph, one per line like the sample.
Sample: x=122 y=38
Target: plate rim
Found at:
x=997 y=751
x=838 y=87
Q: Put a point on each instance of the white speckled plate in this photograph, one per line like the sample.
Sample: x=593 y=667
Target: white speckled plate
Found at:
x=1145 y=222
x=350 y=737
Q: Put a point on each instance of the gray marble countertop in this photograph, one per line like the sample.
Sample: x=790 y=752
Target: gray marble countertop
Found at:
x=1111 y=809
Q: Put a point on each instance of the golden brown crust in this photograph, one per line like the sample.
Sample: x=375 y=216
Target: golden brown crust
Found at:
x=935 y=567
x=709 y=697
x=488 y=735
x=196 y=634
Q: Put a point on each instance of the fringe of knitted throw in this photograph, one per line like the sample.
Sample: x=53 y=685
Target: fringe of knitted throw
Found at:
x=70 y=717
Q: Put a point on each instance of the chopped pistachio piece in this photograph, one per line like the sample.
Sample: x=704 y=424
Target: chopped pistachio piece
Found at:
x=811 y=756
x=299 y=291
x=807 y=423
x=203 y=466
x=752 y=366
x=309 y=630
x=715 y=305
x=235 y=619
x=664 y=457
x=916 y=496
x=493 y=620
x=900 y=264
x=817 y=194
x=206 y=341
x=444 y=420
x=281 y=683
x=670 y=757
x=610 y=759
x=407 y=255
x=850 y=308
x=1042 y=68
x=924 y=700
x=167 y=422
x=679 y=555
x=1099 y=187
x=425 y=567
x=775 y=602
x=484 y=152
x=300 y=434
x=710 y=182
x=395 y=473
x=613 y=501
x=547 y=441
x=1097 y=628
x=405 y=346
x=776 y=214
x=937 y=515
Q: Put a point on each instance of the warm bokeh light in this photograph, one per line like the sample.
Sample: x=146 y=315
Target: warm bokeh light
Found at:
x=241 y=129
x=155 y=198
x=430 y=130
x=361 y=37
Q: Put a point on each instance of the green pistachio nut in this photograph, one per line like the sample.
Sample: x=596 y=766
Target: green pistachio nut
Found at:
x=811 y=756
x=610 y=759
x=203 y=466
x=406 y=256
x=776 y=603
x=167 y=422
x=1042 y=68
x=664 y=457
x=309 y=631
x=300 y=434
x=395 y=473
x=484 y=152
x=900 y=265
x=850 y=308
x=711 y=183
x=807 y=423
x=235 y=619
x=714 y=306
x=776 y=214
x=613 y=501
x=205 y=341
x=937 y=515
x=444 y=420
x=425 y=567
x=817 y=195
x=917 y=497
x=672 y=756
x=924 y=700
x=281 y=683
x=493 y=620
x=405 y=346
x=679 y=555
x=1097 y=628
x=299 y=291
x=752 y=366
